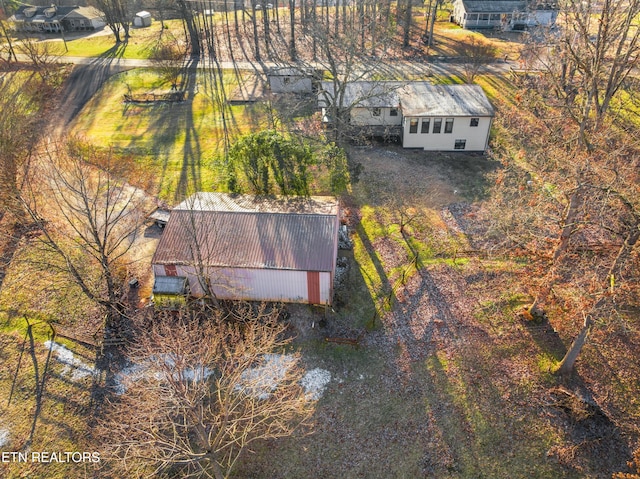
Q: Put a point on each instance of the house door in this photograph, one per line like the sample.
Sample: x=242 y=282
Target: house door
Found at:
x=313 y=287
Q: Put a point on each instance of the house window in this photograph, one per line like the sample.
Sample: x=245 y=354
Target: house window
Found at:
x=495 y=17
x=425 y=125
x=460 y=145
x=413 y=125
x=474 y=121
x=437 y=125
x=286 y=80
x=448 y=125
x=393 y=112
x=483 y=17
x=376 y=112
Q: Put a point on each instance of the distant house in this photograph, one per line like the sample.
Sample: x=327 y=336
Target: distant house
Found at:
x=431 y=117
x=504 y=14
x=55 y=19
x=292 y=79
x=250 y=248
x=142 y=19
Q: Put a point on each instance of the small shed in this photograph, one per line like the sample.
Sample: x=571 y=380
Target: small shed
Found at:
x=142 y=19
x=243 y=247
x=292 y=79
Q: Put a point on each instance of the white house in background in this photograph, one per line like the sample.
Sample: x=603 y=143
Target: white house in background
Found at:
x=56 y=19
x=504 y=14
x=250 y=248
x=431 y=117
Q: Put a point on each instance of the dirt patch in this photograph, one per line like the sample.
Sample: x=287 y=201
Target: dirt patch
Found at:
x=430 y=179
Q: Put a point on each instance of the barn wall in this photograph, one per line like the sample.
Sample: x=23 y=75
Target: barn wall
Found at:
x=257 y=284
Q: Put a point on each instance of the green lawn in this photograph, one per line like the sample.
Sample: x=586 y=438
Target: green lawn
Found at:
x=139 y=45
x=177 y=143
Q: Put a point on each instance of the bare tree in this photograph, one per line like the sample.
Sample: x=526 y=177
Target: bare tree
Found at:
x=588 y=59
x=169 y=54
x=475 y=54
x=21 y=103
x=87 y=218
x=117 y=17
x=206 y=386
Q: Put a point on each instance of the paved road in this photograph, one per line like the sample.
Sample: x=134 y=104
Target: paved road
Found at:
x=441 y=66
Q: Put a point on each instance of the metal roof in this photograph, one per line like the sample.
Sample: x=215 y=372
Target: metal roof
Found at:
x=423 y=99
x=494 y=6
x=364 y=94
x=290 y=239
x=416 y=98
x=204 y=201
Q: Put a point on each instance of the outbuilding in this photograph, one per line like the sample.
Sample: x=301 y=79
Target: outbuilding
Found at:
x=142 y=19
x=292 y=79
x=242 y=247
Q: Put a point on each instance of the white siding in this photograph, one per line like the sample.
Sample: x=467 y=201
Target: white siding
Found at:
x=475 y=137
x=365 y=117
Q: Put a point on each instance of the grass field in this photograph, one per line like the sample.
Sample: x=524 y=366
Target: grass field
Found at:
x=176 y=143
x=59 y=420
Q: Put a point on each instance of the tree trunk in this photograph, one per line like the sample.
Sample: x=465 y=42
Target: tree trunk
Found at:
x=569 y=227
x=569 y=360
x=408 y=13
x=293 y=54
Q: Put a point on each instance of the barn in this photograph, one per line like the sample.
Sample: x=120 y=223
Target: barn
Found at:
x=242 y=247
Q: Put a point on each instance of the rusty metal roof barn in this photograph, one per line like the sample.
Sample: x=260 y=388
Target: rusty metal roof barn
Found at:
x=222 y=230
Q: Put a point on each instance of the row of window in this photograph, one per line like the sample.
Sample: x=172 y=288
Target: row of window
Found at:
x=437 y=125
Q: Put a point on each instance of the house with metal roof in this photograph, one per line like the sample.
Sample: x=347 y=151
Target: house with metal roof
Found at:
x=292 y=79
x=423 y=115
x=56 y=19
x=504 y=14
x=242 y=247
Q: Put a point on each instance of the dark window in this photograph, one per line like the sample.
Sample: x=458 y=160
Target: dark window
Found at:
x=460 y=145
x=448 y=125
x=376 y=112
x=437 y=125
x=425 y=125
x=475 y=121
x=393 y=112
x=483 y=16
x=413 y=125
x=286 y=80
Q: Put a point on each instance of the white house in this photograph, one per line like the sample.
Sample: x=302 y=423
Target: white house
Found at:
x=431 y=117
x=504 y=14
x=250 y=248
x=55 y=19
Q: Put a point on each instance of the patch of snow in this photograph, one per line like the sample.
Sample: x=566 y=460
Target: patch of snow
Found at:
x=79 y=370
x=261 y=380
x=4 y=437
x=135 y=372
x=315 y=382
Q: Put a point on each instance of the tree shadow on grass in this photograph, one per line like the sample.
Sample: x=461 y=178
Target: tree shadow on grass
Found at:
x=83 y=84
